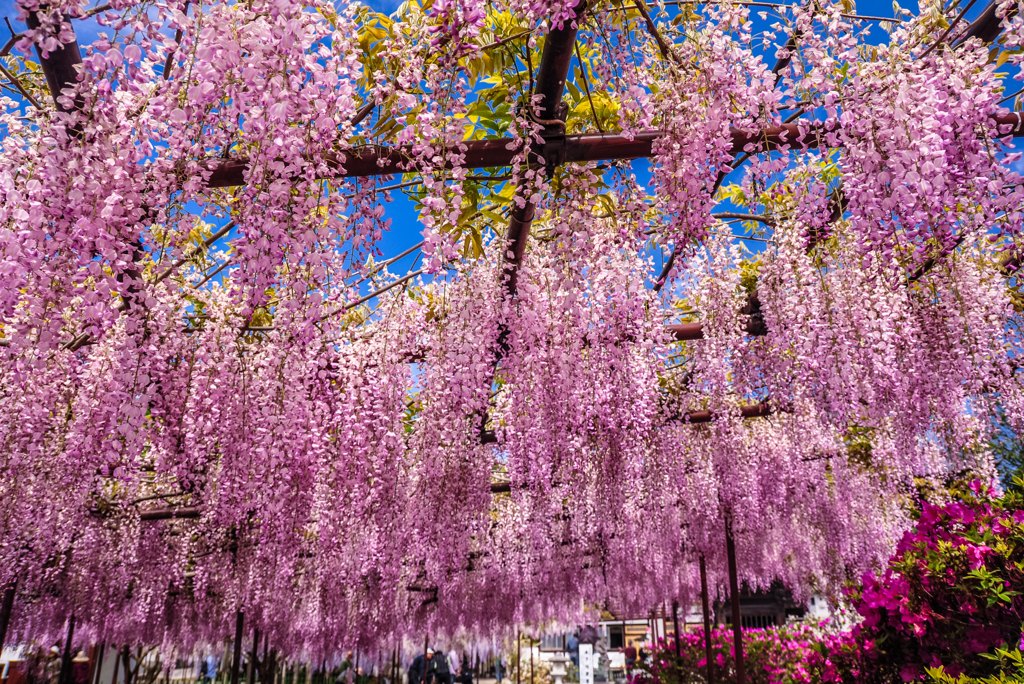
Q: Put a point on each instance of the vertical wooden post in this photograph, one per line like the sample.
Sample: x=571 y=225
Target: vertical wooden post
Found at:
x=707 y=620
x=519 y=657
x=138 y=664
x=675 y=626
x=263 y=666
x=117 y=661
x=65 y=662
x=737 y=626
x=532 y=680
x=223 y=674
x=126 y=658
x=253 y=655
x=237 y=660
x=99 y=662
x=5 y=612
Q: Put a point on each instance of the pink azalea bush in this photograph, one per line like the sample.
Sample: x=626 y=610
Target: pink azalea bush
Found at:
x=771 y=656
x=950 y=596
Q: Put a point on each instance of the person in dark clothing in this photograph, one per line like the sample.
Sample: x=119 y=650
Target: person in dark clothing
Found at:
x=630 y=655
x=465 y=676
x=442 y=672
x=346 y=672
x=573 y=647
x=422 y=669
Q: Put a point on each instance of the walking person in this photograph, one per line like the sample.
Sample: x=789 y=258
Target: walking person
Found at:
x=499 y=668
x=201 y=674
x=573 y=647
x=454 y=663
x=465 y=676
x=422 y=669
x=211 y=668
x=630 y=654
x=347 y=671
x=442 y=670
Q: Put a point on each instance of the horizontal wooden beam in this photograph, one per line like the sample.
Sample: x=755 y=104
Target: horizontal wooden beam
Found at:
x=755 y=411
x=754 y=326
x=171 y=514
x=588 y=147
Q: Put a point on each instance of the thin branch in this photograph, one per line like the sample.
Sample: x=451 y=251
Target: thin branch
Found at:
x=942 y=38
x=375 y=293
x=586 y=85
x=99 y=8
x=387 y=263
x=499 y=43
x=870 y=18
x=364 y=112
x=157 y=496
x=660 y=283
x=211 y=275
x=1010 y=97
x=774 y=5
x=745 y=237
x=484 y=179
x=666 y=49
x=177 y=41
x=206 y=243
x=731 y=2
x=395 y=187
x=17 y=84
x=744 y=217
x=9 y=45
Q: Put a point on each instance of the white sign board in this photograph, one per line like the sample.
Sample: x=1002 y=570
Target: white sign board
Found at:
x=586 y=664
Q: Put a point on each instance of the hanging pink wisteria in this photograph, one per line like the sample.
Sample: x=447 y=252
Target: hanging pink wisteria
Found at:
x=220 y=395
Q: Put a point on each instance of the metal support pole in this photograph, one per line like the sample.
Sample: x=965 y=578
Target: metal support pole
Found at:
x=5 y=612
x=65 y=662
x=532 y=680
x=237 y=660
x=519 y=657
x=117 y=662
x=423 y=675
x=675 y=626
x=262 y=666
x=252 y=657
x=737 y=626
x=99 y=662
x=127 y=660
x=707 y=620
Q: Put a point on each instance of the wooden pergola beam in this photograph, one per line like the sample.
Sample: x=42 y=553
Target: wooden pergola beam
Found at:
x=586 y=147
